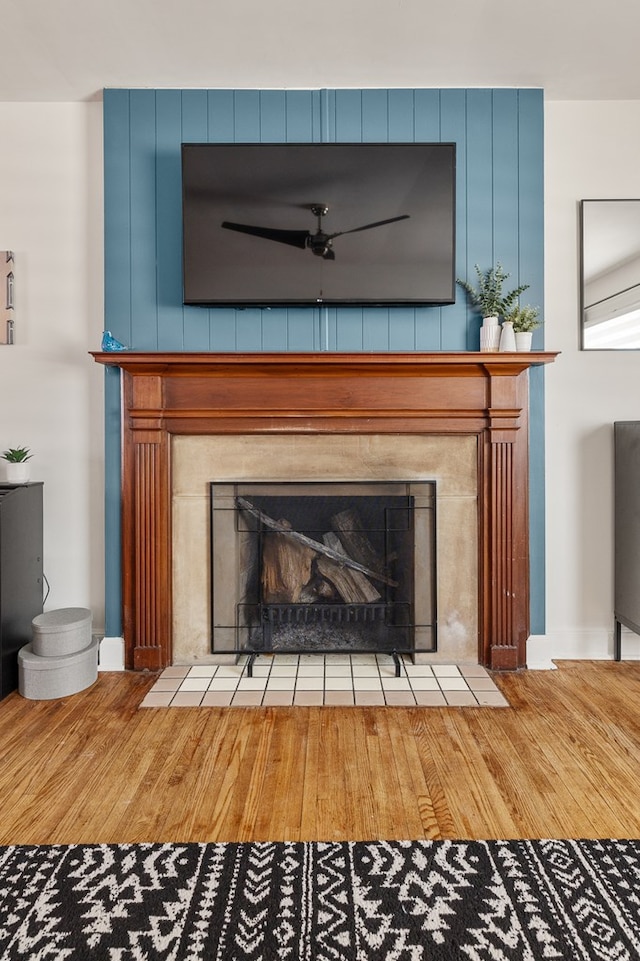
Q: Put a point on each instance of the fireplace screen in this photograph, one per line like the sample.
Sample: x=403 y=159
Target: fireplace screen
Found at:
x=308 y=567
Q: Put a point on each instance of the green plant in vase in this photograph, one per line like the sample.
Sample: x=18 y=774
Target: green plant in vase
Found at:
x=17 y=455
x=524 y=320
x=17 y=469
x=489 y=295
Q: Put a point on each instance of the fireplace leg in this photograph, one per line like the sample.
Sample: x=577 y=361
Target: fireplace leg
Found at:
x=252 y=658
x=397 y=662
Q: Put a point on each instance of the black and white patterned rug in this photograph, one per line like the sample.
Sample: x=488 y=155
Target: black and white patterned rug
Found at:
x=397 y=901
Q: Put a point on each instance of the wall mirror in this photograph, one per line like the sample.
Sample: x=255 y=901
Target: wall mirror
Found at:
x=610 y=274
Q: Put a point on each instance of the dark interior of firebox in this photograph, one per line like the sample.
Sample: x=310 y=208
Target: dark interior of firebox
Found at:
x=327 y=572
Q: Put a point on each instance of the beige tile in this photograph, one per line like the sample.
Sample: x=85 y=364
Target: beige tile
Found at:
x=430 y=698
x=365 y=670
x=369 y=698
x=337 y=670
x=311 y=670
x=259 y=672
x=309 y=683
x=217 y=699
x=223 y=684
x=203 y=671
x=337 y=659
x=281 y=683
x=167 y=684
x=453 y=684
x=481 y=684
x=247 y=699
x=157 y=699
x=367 y=684
x=187 y=699
x=491 y=699
x=277 y=699
x=399 y=698
x=460 y=699
x=175 y=672
x=395 y=684
x=252 y=683
x=229 y=670
x=308 y=698
x=284 y=670
x=424 y=683
x=419 y=670
x=473 y=670
x=338 y=684
x=445 y=670
x=195 y=684
x=338 y=698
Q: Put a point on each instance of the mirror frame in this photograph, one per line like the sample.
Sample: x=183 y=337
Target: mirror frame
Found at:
x=583 y=306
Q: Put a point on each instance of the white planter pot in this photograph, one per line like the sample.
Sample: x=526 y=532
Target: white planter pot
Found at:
x=489 y=334
x=508 y=337
x=17 y=473
x=523 y=339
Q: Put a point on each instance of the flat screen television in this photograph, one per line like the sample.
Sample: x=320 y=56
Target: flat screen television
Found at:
x=332 y=223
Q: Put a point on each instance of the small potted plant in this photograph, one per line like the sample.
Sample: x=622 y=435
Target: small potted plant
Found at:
x=17 y=469
x=492 y=301
x=524 y=320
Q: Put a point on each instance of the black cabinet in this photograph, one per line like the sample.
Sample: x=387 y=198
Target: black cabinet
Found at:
x=20 y=574
x=627 y=530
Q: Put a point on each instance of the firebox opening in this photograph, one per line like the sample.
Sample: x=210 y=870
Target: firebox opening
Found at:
x=323 y=567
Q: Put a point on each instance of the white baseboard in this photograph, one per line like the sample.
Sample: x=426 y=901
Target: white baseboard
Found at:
x=588 y=645
x=111 y=656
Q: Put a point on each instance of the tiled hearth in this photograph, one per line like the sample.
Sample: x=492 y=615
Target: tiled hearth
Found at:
x=316 y=680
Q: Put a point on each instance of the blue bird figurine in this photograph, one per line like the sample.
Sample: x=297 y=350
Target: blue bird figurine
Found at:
x=109 y=342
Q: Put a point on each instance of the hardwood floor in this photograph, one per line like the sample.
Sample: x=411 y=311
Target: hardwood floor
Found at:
x=563 y=761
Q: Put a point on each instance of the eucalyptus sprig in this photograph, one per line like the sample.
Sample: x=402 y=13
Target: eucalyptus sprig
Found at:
x=488 y=295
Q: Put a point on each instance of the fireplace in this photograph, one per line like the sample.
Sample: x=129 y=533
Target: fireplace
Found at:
x=190 y=419
x=323 y=567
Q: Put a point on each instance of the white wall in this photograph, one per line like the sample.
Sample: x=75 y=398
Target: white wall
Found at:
x=50 y=389
x=592 y=151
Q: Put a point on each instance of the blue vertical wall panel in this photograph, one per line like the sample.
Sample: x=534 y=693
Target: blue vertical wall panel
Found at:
x=169 y=214
x=505 y=183
x=117 y=221
x=454 y=320
x=144 y=224
x=499 y=215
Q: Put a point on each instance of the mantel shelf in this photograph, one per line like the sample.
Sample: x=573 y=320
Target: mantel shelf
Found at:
x=183 y=362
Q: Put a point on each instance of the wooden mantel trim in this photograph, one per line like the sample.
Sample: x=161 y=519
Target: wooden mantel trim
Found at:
x=185 y=362
x=401 y=393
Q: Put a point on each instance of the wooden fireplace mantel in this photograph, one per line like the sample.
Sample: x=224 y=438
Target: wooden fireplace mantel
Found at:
x=445 y=393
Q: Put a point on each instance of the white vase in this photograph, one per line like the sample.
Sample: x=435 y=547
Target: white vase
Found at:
x=17 y=473
x=523 y=339
x=507 y=337
x=489 y=334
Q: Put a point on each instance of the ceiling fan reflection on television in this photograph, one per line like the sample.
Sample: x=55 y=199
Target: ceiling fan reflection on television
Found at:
x=319 y=243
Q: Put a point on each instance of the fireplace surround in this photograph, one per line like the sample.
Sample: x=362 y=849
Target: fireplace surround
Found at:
x=175 y=396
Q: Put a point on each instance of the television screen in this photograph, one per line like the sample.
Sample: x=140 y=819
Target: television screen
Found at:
x=331 y=223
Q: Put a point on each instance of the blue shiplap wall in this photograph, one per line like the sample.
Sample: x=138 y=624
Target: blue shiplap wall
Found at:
x=499 y=217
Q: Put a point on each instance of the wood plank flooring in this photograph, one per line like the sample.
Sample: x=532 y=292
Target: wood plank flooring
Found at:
x=562 y=761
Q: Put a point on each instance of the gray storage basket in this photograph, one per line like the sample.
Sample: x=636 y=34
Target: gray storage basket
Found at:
x=61 y=632
x=45 y=678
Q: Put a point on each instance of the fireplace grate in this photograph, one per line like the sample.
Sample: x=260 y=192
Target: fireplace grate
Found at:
x=276 y=614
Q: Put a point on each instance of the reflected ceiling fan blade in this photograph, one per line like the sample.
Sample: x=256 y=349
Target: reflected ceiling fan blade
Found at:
x=378 y=223
x=295 y=238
